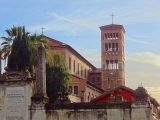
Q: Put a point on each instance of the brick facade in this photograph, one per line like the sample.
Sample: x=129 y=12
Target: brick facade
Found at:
x=79 y=68
x=112 y=52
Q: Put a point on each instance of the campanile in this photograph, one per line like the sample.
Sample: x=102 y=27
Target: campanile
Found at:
x=112 y=56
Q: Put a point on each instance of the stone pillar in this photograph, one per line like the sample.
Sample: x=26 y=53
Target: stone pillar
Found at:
x=40 y=94
x=37 y=109
x=41 y=70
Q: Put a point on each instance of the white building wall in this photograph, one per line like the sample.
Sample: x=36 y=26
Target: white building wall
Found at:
x=74 y=98
x=91 y=93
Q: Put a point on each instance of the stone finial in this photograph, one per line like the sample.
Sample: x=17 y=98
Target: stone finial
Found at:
x=64 y=100
x=28 y=74
x=111 y=98
x=58 y=100
x=6 y=69
x=59 y=95
x=119 y=92
x=119 y=98
x=66 y=94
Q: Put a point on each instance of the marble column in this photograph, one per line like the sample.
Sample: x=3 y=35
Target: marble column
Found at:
x=40 y=95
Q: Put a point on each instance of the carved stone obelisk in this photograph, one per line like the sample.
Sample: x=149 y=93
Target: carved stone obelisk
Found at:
x=40 y=95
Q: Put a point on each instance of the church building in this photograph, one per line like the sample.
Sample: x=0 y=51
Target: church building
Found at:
x=89 y=82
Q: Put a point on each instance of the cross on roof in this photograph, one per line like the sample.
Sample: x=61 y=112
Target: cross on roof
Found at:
x=42 y=29
x=112 y=15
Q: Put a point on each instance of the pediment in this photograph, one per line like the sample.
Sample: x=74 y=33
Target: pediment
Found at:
x=13 y=76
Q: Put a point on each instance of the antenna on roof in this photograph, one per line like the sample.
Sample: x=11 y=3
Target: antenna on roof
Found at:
x=42 y=29
x=112 y=15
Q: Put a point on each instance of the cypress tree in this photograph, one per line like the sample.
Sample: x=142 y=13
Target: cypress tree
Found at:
x=20 y=53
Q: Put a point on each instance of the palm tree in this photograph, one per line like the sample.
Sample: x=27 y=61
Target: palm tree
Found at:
x=33 y=45
x=21 y=49
x=7 y=43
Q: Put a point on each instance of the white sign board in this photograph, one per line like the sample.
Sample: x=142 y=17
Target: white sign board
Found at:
x=15 y=103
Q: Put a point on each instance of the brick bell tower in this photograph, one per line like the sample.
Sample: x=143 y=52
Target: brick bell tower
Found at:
x=112 y=56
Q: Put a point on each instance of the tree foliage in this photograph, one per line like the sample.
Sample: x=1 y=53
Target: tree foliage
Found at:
x=20 y=53
x=21 y=50
x=33 y=47
x=7 y=43
x=57 y=77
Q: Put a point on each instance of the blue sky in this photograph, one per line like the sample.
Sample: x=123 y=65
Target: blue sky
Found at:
x=77 y=22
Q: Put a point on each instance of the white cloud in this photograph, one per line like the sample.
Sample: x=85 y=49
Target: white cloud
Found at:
x=138 y=41
x=92 y=55
x=137 y=12
x=154 y=92
x=139 y=36
x=85 y=17
x=144 y=57
x=147 y=75
x=67 y=23
x=82 y=23
x=153 y=89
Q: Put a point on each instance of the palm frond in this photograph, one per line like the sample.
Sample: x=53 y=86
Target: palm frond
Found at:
x=9 y=39
x=4 y=43
x=4 y=49
x=14 y=31
x=9 y=32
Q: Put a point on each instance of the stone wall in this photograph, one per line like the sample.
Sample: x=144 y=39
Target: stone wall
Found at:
x=96 y=111
x=16 y=91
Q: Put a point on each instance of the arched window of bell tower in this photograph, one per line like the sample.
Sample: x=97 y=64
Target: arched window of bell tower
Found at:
x=110 y=35
x=111 y=64
x=110 y=47
x=113 y=46
x=116 y=35
x=107 y=64
x=116 y=64
x=106 y=47
x=105 y=36
x=116 y=46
